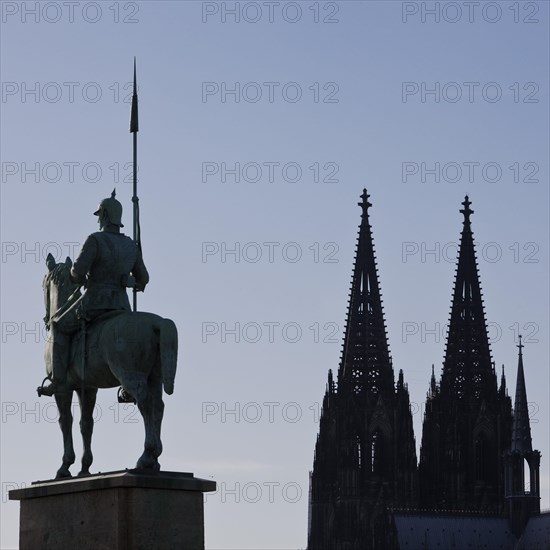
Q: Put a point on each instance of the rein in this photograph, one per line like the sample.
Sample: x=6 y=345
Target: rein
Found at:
x=67 y=303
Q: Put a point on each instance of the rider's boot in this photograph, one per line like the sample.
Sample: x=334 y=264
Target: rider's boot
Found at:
x=59 y=357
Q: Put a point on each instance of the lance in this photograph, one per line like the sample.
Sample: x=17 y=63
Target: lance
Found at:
x=134 y=128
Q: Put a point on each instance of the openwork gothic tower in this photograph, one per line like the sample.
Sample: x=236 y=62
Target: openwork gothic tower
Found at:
x=365 y=457
x=467 y=424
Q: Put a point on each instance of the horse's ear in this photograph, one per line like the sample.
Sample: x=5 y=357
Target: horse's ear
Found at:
x=50 y=262
x=69 y=262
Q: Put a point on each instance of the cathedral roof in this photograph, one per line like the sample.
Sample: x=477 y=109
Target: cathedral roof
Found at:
x=537 y=533
x=453 y=532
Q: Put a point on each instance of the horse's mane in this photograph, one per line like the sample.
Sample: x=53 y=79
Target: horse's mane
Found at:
x=60 y=276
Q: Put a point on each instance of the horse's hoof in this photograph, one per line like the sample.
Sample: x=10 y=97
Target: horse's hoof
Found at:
x=149 y=465
x=63 y=474
x=153 y=468
x=83 y=473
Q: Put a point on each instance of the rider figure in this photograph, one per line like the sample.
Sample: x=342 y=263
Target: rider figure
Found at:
x=108 y=263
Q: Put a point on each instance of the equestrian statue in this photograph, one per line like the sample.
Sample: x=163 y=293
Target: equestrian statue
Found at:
x=96 y=341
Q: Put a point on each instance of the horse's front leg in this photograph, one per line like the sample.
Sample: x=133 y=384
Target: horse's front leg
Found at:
x=64 y=401
x=86 y=398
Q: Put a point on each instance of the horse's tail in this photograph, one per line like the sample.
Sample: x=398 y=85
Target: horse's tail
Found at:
x=168 y=353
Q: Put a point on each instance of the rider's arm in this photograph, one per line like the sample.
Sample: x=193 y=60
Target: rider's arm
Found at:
x=82 y=264
x=139 y=271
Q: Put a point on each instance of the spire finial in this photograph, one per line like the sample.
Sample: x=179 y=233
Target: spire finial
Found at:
x=365 y=204
x=467 y=211
x=520 y=345
x=113 y=194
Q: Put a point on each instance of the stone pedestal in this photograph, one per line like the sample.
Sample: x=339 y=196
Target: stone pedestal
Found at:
x=125 y=510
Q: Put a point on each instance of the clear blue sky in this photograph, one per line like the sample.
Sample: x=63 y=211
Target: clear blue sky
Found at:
x=333 y=97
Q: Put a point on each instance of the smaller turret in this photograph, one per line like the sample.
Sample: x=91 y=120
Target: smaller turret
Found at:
x=522 y=494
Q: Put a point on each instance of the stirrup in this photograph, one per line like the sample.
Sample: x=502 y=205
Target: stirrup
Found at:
x=41 y=388
x=124 y=397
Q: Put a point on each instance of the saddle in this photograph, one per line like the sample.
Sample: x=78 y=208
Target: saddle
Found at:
x=79 y=339
x=80 y=347
x=84 y=338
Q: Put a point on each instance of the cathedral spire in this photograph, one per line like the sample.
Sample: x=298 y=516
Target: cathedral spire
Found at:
x=521 y=429
x=466 y=424
x=467 y=371
x=365 y=366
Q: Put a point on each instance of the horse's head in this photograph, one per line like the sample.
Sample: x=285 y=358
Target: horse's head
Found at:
x=58 y=286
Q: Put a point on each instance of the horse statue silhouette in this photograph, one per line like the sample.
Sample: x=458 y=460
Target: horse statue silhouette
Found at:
x=135 y=350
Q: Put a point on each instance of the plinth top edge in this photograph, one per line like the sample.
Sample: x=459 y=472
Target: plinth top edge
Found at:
x=137 y=479
x=117 y=473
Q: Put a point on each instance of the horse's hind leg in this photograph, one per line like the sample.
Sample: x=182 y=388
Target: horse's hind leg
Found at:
x=155 y=388
x=87 y=398
x=140 y=390
x=64 y=401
